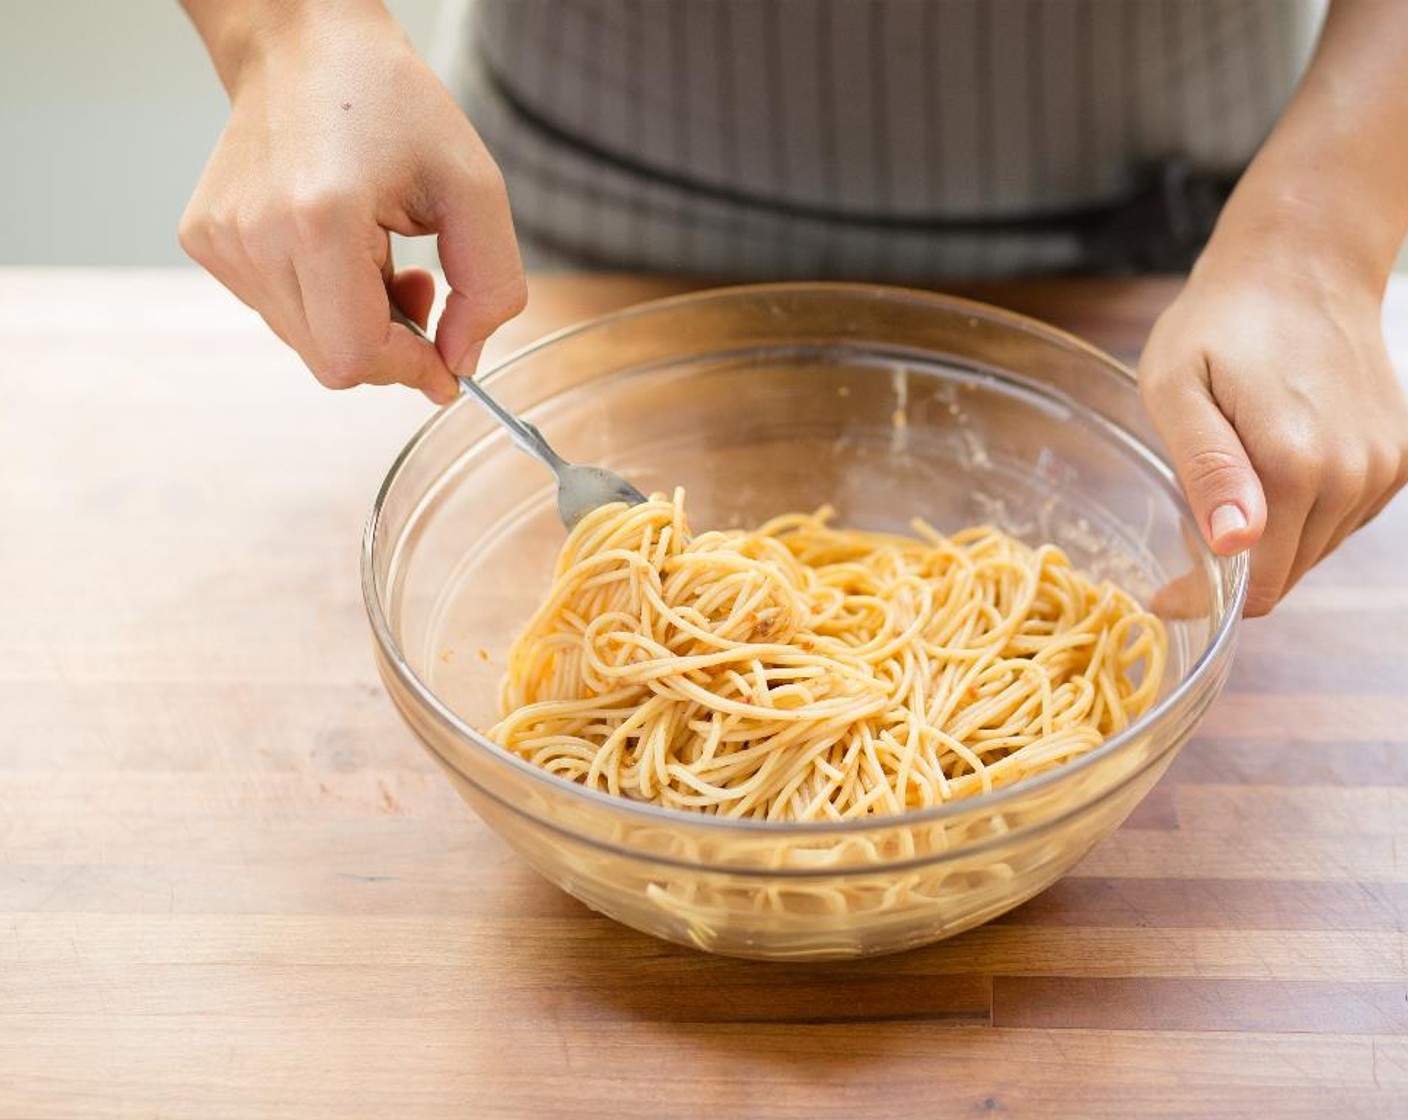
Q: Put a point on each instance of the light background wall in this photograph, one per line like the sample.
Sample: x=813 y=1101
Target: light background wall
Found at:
x=108 y=109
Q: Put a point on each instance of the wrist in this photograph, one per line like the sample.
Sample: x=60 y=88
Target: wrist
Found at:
x=242 y=37
x=1295 y=234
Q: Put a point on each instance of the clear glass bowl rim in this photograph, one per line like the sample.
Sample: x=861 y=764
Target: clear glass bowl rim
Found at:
x=1234 y=567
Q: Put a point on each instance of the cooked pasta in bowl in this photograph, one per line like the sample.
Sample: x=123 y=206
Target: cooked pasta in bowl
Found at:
x=913 y=618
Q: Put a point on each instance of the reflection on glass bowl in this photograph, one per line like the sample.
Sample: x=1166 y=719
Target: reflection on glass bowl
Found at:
x=884 y=403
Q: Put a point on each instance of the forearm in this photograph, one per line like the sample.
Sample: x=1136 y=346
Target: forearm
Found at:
x=1332 y=179
x=236 y=31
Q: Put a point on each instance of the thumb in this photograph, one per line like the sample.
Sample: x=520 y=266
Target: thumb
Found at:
x=479 y=254
x=1217 y=475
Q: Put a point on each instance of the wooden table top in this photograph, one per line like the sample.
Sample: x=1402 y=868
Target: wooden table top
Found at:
x=232 y=884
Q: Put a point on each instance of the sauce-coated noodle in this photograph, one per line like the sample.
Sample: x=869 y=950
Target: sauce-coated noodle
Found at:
x=799 y=672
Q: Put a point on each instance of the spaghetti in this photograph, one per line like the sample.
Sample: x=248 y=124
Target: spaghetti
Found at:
x=800 y=672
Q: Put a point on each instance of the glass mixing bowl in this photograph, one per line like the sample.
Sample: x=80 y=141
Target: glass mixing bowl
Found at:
x=885 y=403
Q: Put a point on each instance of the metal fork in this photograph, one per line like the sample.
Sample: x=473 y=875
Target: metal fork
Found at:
x=580 y=489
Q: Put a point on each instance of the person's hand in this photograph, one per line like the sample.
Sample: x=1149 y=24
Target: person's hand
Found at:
x=1271 y=385
x=339 y=132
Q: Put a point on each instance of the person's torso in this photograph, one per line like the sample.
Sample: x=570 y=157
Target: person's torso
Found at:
x=893 y=111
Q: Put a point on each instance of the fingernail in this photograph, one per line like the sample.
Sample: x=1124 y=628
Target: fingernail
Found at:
x=1226 y=520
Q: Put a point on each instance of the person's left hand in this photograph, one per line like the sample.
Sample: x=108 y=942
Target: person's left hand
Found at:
x=1288 y=427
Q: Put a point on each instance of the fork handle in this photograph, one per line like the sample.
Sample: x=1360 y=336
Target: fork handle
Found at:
x=525 y=435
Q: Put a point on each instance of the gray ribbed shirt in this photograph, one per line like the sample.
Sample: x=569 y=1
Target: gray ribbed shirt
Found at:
x=860 y=137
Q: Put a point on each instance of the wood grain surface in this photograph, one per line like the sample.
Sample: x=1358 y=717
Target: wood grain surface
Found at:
x=231 y=883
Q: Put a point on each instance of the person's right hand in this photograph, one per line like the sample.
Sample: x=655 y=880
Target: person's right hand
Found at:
x=339 y=133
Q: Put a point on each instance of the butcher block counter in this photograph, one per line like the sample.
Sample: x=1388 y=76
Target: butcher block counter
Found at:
x=232 y=884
